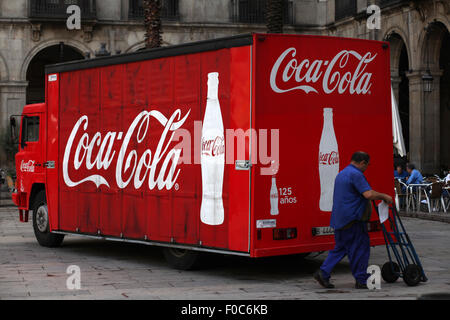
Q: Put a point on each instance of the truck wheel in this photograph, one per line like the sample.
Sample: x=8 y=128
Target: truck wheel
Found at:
x=390 y=272
x=41 y=223
x=412 y=275
x=182 y=259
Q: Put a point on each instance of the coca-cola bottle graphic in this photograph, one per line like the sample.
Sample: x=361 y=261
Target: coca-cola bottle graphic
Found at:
x=328 y=161
x=274 y=197
x=212 y=156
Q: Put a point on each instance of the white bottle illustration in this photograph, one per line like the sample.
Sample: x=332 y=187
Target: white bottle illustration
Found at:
x=328 y=161
x=274 y=197
x=212 y=156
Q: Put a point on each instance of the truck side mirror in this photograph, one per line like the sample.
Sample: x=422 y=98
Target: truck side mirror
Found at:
x=13 y=128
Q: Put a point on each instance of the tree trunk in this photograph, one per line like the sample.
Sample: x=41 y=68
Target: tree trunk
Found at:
x=274 y=16
x=152 y=22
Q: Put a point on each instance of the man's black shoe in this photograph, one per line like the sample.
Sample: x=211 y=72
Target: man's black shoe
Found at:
x=322 y=281
x=360 y=285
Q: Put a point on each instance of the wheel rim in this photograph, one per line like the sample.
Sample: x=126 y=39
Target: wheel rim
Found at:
x=178 y=252
x=42 y=218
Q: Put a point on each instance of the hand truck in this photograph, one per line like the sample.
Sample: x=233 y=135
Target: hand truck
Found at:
x=400 y=247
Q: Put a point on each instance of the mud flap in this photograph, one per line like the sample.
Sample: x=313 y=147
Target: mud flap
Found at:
x=23 y=214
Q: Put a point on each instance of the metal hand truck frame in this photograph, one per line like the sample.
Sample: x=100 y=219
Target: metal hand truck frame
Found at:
x=400 y=247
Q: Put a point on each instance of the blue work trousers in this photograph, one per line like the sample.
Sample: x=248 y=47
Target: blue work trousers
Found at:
x=355 y=243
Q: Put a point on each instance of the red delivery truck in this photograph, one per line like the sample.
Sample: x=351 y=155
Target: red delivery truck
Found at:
x=229 y=145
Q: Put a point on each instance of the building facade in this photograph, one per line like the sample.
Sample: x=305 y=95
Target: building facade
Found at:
x=34 y=33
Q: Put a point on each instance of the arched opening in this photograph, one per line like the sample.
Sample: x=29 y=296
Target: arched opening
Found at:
x=400 y=83
x=35 y=72
x=444 y=64
x=403 y=94
x=436 y=62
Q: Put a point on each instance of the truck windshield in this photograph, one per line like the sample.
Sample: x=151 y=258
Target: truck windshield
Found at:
x=30 y=129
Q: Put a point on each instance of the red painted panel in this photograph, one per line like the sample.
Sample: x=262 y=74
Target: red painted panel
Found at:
x=239 y=180
x=51 y=142
x=112 y=119
x=296 y=78
x=119 y=178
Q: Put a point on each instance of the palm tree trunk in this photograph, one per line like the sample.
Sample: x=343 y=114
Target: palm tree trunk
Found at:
x=274 y=16
x=152 y=22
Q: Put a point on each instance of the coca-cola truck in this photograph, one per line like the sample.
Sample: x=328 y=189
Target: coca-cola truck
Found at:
x=228 y=146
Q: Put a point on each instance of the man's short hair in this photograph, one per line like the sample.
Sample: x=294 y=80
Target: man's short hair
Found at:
x=360 y=156
x=410 y=166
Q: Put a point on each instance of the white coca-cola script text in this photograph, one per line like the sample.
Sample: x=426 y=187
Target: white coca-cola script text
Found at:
x=308 y=72
x=129 y=165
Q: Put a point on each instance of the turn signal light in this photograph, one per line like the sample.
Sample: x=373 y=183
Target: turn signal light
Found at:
x=284 y=233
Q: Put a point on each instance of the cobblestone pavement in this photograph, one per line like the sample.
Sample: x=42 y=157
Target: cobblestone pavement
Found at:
x=114 y=270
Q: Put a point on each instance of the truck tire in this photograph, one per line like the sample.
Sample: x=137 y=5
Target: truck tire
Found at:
x=41 y=223
x=182 y=259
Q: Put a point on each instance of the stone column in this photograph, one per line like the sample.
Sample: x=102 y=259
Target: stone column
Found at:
x=424 y=123
x=416 y=119
x=12 y=100
x=432 y=126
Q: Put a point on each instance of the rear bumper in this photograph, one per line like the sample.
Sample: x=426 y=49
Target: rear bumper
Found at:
x=375 y=240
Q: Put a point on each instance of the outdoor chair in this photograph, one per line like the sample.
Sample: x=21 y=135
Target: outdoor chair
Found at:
x=434 y=197
x=401 y=194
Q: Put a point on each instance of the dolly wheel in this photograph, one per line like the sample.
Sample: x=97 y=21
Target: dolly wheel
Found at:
x=390 y=272
x=412 y=275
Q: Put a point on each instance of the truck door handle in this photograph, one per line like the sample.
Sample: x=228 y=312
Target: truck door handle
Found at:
x=242 y=165
x=49 y=164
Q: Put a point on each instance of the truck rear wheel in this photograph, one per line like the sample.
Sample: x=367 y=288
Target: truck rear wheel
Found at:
x=182 y=259
x=41 y=223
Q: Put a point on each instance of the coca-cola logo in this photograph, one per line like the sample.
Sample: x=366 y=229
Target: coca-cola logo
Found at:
x=213 y=147
x=329 y=158
x=97 y=153
x=27 y=166
x=288 y=72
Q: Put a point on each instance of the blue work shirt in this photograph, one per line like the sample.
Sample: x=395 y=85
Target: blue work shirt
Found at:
x=402 y=175
x=348 y=201
x=415 y=177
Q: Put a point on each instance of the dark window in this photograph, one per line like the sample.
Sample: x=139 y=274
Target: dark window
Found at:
x=385 y=3
x=56 y=10
x=344 y=8
x=169 y=9
x=254 y=11
x=30 y=129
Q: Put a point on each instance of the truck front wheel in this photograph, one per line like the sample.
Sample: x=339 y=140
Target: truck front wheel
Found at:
x=182 y=259
x=41 y=223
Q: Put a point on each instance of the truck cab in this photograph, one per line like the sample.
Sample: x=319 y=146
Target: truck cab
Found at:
x=30 y=158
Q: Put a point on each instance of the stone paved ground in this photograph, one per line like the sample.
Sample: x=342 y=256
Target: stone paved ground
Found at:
x=112 y=270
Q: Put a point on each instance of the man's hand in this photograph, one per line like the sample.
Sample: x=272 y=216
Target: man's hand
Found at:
x=373 y=195
x=388 y=199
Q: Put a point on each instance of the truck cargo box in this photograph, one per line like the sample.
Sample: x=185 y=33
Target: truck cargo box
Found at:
x=229 y=145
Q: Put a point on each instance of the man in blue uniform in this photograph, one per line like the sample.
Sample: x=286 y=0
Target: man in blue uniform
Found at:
x=399 y=173
x=351 y=197
x=414 y=175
